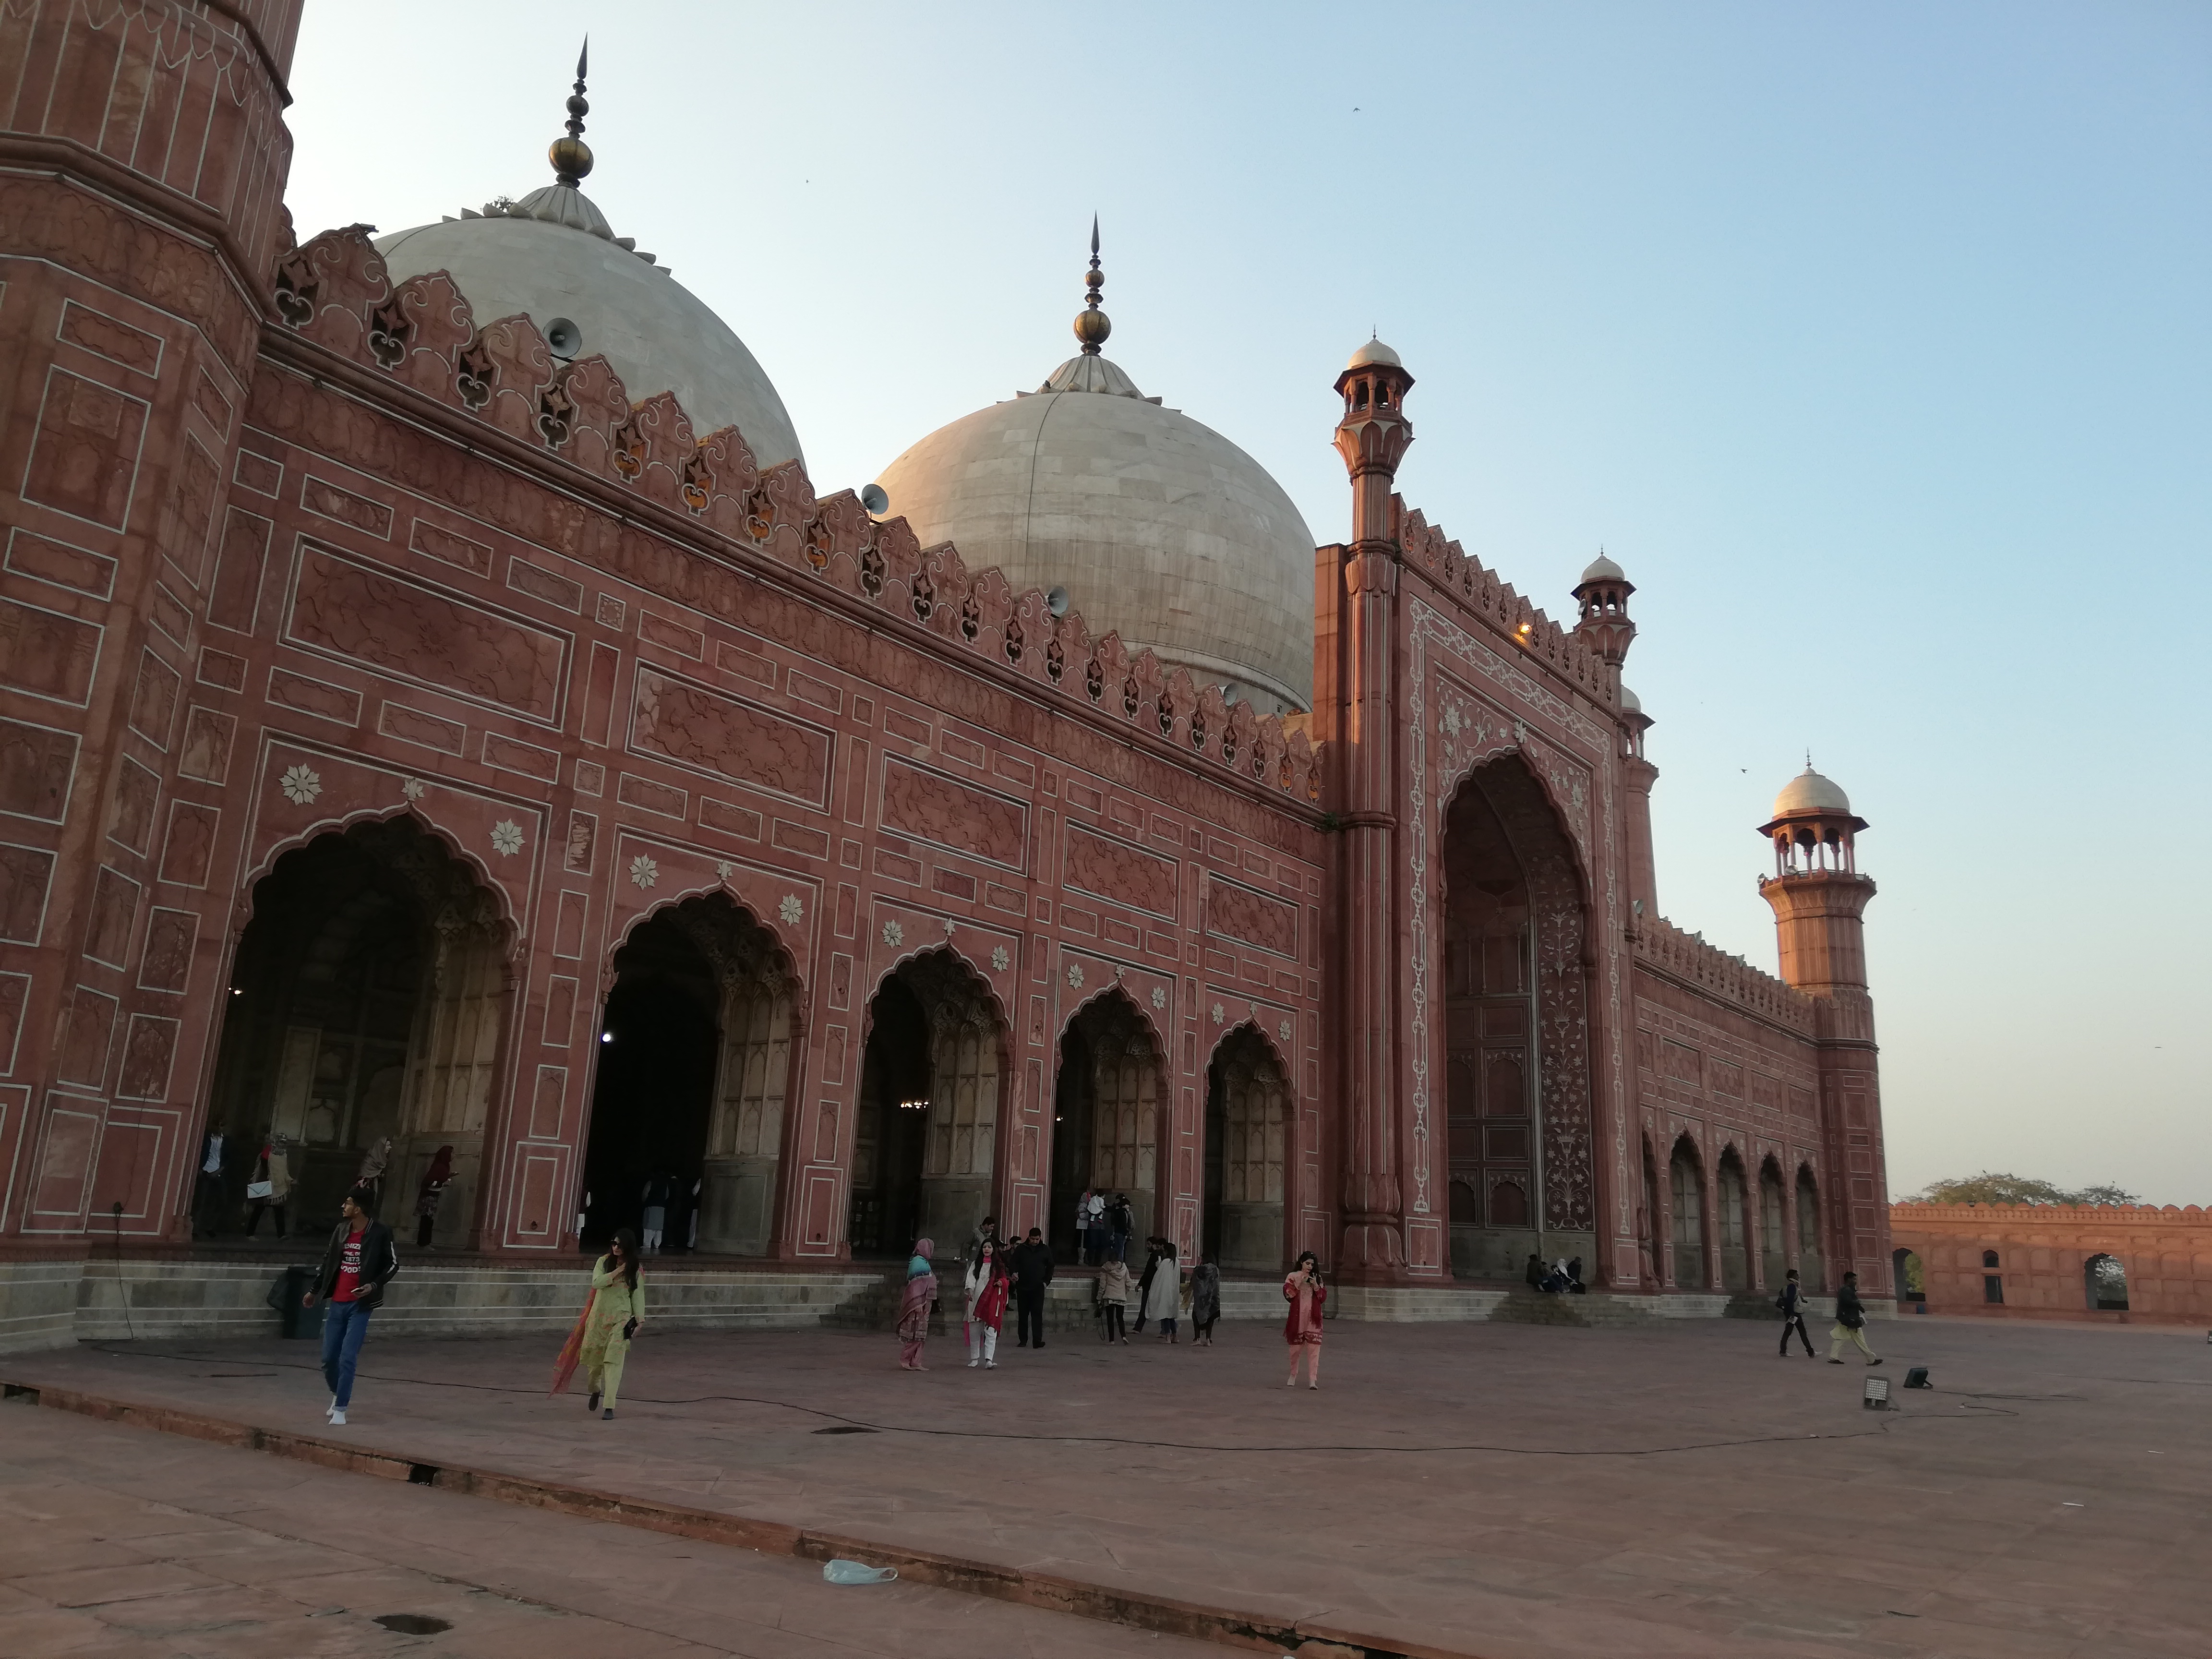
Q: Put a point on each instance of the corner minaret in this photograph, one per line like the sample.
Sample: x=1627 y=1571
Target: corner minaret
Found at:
x=1355 y=619
x=1817 y=892
x=1602 y=594
x=1820 y=899
x=1373 y=436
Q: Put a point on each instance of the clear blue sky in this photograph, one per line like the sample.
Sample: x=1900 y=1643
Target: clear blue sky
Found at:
x=1874 y=340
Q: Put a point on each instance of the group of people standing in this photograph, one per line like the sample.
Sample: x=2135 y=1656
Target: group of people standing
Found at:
x=1103 y=1223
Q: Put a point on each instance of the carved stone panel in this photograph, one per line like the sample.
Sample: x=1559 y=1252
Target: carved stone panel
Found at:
x=931 y=807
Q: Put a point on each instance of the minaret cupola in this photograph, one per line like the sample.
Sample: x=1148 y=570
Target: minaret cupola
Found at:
x=1603 y=594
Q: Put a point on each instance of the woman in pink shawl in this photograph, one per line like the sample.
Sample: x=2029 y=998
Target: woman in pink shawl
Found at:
x=1305 y=1292
x=914 y=1307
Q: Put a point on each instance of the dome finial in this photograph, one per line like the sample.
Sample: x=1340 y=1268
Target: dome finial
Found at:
x=1091 y=326
x=571 y=156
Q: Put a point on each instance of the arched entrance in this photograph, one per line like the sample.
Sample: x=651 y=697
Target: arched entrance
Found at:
x=1106 y=1113
x=1735 y=1225
x=366 y=1003
x=926 y=1135
x=695 y=1060
x=1247 y=1126
x=1686 y=1185
x=2105 y=1283
x=1904 y=1267
x=1773 y=1258
x=1812 y=1262
x=1515 y=1070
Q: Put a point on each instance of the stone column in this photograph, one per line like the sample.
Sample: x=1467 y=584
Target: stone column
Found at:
x=1372 y=437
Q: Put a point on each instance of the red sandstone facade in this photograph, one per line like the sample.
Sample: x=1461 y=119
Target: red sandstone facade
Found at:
x=296 y=560
x=2045 y=1260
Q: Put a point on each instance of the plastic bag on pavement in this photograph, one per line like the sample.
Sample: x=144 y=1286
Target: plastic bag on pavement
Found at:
x=856 y=1572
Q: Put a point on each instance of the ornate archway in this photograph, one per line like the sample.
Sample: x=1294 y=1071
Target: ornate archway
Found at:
x=1685 y=1178
x=694 y=1063
x=366 y=1005
x=1248 y=1117
x=1106 y=1130
x=932 y=1074
x=1516 y=1038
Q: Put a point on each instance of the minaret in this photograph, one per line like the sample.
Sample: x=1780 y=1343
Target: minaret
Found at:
x=1372 y=437
x=1604 y=625
x=1819 y=900
x=1817 y=892
x=146 y=155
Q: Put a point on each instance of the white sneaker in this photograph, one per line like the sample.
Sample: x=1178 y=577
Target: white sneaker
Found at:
x=337 y=1418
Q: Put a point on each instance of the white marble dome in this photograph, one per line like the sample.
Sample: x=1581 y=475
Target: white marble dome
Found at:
x=553 y=254
x=1158 y=527
x=1602 y=569
x=1808 y=792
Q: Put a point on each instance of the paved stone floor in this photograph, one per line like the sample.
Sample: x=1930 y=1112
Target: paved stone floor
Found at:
x=128 y=1544
x=1507 y=1492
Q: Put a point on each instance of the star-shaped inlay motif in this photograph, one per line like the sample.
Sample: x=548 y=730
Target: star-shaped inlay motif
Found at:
x=790 y=909
x=643 y=871
x=894 y=935
x=507 y=837
x=999 y=959
x=300 y=784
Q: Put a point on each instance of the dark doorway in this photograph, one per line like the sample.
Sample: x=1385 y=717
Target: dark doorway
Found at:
x=655 y=1086
x=363 y=1016
x=1106 y=1108
x=1688 y=1184
x=892 y=1125
x=1074 y=1105
x=1247 y=1123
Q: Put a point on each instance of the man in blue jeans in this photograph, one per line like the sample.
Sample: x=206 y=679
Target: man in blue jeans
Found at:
x=359 y=1263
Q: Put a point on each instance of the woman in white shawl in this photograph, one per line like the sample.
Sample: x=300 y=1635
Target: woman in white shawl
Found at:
x=1164 y=1300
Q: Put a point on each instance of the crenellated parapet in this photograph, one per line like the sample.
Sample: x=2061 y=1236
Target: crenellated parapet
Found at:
x=1486 y=599
x=335 y=291
x=1666 y=950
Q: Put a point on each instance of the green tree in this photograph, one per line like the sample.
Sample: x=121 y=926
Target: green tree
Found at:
x=1991 y=1188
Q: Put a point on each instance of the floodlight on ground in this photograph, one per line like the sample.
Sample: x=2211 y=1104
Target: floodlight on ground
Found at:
x=1916 y=1377
x=1877 y=1394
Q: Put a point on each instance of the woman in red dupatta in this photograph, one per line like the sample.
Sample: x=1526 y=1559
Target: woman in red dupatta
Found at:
x=913 y=1307
x=1305 y=1292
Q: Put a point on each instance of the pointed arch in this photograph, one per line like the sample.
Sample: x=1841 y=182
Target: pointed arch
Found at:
x=724 y=1171
x=1245 y=1220
x=1734 y=1231
x=369 y=1002
x=480 y=872
x=1686 y=1180
x=935 y=1107
x=1109 y=1111
x=1513 y=1047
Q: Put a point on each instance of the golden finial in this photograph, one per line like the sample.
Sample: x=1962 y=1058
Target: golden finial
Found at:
x=1091 y=326
x=572 y=157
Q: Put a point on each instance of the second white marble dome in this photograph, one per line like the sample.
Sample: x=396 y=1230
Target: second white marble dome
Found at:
x=1158 y=527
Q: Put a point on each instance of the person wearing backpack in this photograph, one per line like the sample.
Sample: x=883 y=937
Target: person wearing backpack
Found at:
x=1792 y=1303
x=1851 y=1324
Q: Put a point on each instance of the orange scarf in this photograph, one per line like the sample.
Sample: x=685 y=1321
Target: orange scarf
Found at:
x=573 y=1349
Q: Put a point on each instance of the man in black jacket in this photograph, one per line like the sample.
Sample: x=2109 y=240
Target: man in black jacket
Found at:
x=360 y=1262
x=1031 y=1261
x=1851 y=1324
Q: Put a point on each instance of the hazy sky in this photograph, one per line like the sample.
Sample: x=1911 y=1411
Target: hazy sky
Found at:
x=1873 y=340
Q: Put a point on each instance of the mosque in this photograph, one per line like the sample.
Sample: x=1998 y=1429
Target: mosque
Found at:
x=448 y=733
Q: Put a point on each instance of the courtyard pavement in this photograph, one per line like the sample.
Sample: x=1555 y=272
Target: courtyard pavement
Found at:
x=1500 y=1490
